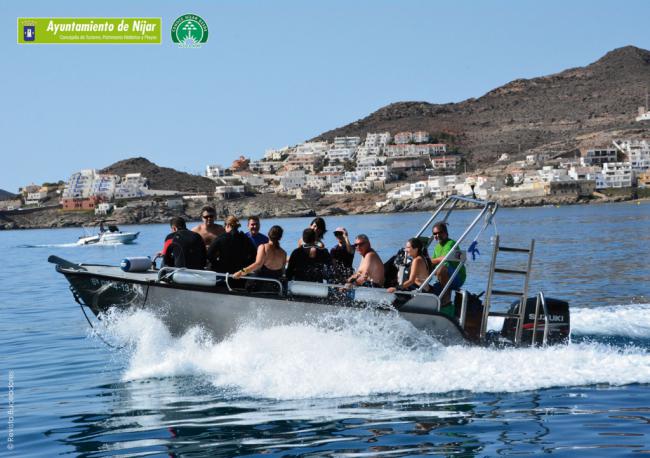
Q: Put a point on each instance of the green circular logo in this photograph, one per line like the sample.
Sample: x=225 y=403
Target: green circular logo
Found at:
x=189 y=31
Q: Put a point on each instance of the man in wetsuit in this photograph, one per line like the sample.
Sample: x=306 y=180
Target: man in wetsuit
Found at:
x=371 y=269
x=183 y=248
x=309 y=262
x=208 y=229
x=231 y=251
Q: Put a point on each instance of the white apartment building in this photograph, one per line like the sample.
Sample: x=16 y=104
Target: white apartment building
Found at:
x=415 y=150
x=637 y=152
x=276 y=154
x=377 y=139
x=227 y=191
x=584 y=173
x=35 y=198
x=316 y=148
x=292 y=180
x=598 y=156
x=615 y=175
x=549 y=174
x=265 y=167
x=333 y=169
x=402 y=138
x=340 y=154
x=79 y=184
x=214 y=171
x=445 y=162
x=421 y=136
x=374 y=172
x=131 y=185
x=346 y=142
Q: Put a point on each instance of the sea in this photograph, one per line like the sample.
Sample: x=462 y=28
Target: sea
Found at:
x=342 y=386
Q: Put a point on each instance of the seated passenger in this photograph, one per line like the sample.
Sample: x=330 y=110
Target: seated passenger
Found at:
x=208 y=230
x=318 y=225
x=270 y=260
x=254 y=232
x=444 y=246
x=232 y=250
x=183 y=248
x=342 y=256
x=419 y=268
x=371 y=269
x=309 y=262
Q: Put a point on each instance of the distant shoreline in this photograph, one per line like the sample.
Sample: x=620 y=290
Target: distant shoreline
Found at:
x=265 y=207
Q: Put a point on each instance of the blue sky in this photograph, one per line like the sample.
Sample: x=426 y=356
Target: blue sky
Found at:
x=273 y=73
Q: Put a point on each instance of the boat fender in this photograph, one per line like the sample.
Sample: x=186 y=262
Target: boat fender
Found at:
x=136 y=264
x=194 y=277
x=307 y=288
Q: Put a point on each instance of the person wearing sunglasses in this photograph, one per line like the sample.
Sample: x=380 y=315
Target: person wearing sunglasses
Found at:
x=444 y=246
x=208 y=229
x=371 y=269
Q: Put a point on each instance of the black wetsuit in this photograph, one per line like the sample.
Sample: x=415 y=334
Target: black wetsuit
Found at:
x=342 y=263
x=184 y=248
x=303 y=267
x=231 y=252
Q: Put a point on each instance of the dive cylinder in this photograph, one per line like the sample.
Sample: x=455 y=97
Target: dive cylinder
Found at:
x=136 y=264
x=194 y=277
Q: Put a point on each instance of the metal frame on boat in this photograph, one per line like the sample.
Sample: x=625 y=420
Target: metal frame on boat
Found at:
x=183 y=298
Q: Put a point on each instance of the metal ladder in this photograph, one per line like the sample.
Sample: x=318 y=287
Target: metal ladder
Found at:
x=522 y=295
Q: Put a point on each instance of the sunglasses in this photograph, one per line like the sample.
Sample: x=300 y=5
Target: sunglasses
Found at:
x=208 y=216
x=435 y=234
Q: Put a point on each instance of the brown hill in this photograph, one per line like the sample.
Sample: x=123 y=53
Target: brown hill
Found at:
x=5 y=195
x=162 y=177
x=577 y=108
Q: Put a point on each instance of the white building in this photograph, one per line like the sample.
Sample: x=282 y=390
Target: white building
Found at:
x=637 y=152
x=35 y=198
x=421 y=136
x=292 y=180
x=317 y=148
x=584 y=173
x=599 y=156
x=340 y=154
x=79 y=184
x=615 y=175
x=549 y=174
x=214 y=171
x=276 y=154
x=377 y=139
x=132 y=185
x=346 y=142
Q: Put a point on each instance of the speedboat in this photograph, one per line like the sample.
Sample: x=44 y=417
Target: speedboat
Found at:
x=184 y=298
x=109 y=236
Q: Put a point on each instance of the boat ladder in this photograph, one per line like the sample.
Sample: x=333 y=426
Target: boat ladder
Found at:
x=522 y=295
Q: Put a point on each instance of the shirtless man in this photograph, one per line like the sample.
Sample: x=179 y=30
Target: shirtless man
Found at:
x=371 y=269
x=208 y=230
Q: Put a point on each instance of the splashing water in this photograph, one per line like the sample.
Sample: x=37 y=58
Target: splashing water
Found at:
x=358 y=354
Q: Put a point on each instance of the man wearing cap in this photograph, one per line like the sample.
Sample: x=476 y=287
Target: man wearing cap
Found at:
x=208 y=229
x=342 y=255
x=371 y=269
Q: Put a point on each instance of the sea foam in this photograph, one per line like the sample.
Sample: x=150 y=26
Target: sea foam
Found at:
x=358 y=354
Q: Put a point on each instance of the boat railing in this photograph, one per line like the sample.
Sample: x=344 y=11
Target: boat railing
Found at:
x=540 y=301
x=451 y=202
x=209 y=278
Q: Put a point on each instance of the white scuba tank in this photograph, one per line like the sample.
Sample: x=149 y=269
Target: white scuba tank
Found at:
x=194 y=277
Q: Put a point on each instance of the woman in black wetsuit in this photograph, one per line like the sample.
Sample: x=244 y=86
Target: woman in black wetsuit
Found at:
x=271 y=258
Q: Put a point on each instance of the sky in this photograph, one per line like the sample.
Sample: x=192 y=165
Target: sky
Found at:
x=273 y=73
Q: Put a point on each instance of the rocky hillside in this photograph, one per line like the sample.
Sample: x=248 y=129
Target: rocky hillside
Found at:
x=577 y=108
x=162 y=177
x=4 y=195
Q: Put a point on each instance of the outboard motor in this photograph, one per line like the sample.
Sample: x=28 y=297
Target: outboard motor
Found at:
x=558 y=316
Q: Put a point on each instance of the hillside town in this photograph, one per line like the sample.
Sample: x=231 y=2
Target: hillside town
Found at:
x=399 y=167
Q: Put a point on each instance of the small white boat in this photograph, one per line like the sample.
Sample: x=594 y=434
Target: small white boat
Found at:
x=112 y=235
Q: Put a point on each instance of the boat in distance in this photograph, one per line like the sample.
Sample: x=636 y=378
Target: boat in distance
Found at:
x=108 y=236
x=184 y=298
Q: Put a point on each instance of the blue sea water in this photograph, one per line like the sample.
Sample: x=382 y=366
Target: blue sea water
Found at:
x=341 y=386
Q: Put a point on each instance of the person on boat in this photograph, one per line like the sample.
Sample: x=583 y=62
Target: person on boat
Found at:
x=271 y=258
x=318 y=225
x=444 y=246
x=309 y=262
x=208 y=229
x=342 y=256
x=254 y=232
x=102 y=229
x=183 y=248
x=232 y=250
x=419 y=268
x=371 y=269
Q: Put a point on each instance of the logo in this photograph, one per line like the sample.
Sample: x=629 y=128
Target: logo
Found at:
x=189 y=31
x=29 y=31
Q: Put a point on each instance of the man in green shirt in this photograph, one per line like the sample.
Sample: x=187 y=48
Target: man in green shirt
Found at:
x=444 y=246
